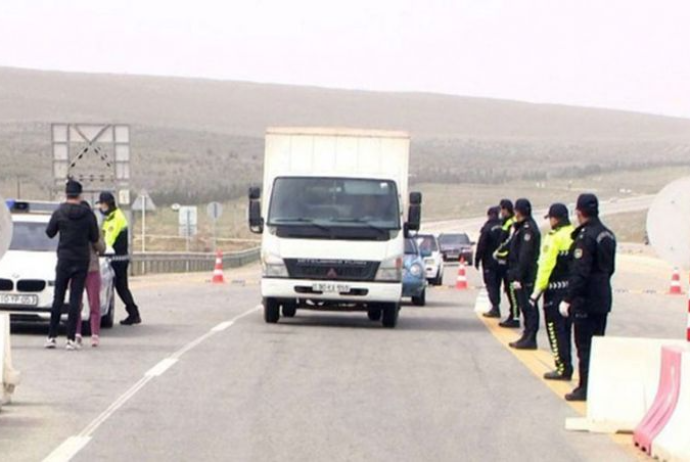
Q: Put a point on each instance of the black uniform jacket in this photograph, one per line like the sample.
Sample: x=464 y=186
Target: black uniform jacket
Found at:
x=593 y=264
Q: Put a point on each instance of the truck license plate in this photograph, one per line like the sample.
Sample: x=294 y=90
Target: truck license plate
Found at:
x=330 y=288
x=18 y=300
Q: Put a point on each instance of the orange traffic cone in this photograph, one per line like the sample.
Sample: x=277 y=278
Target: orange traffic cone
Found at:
x=218 y=277
x=461 y=283
x=675 y=283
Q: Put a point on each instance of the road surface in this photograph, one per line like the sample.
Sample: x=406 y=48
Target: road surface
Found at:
x=204 y=378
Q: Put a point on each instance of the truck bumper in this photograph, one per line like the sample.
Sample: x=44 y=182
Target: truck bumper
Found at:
x=359 y=292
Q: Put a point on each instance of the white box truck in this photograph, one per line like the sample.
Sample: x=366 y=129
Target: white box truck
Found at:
x=333 y=220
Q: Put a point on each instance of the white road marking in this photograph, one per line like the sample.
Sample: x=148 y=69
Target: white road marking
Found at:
x=160 y=368
x=72 y=445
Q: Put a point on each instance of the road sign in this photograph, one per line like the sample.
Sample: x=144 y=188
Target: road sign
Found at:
x=5 y=229
x=668 y=223
x=143 y=202
x=188 y=221
x=214 y=210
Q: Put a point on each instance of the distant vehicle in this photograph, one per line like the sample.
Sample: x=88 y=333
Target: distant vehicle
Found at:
x=334 y=220
x=27 y=271
x=414 y=277
x=456 y=246
x=433 y=260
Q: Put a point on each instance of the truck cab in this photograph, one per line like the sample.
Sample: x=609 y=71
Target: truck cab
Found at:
x=333 y=220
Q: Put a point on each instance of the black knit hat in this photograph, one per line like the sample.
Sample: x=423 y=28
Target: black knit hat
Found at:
x=588 y=204
x=493 y=212
x=506 y=204
x=558 y=210
x=106 y=198
x=73 y=188
x=524 y=207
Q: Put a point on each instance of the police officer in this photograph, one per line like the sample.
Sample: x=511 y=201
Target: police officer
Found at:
x=489 y=239
x=552 y=282
x=522 y=271
x=78 y=230
x=501 y=255
x=589 y=296
x=116 y=232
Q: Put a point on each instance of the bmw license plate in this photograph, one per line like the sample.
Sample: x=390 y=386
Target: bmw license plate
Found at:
x=330 y=288
x=18 y=300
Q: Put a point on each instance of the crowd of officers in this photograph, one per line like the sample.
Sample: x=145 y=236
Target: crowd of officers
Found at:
x=569 y=269
x=81 y=242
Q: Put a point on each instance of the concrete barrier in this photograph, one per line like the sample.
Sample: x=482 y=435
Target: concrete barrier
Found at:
x=665 y=401
x=10 y=377
x=623 y=382
x=673 y=442
x=483 y=304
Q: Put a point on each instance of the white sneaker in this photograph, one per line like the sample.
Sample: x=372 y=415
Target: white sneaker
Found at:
x=50 y=344
x=72 y=345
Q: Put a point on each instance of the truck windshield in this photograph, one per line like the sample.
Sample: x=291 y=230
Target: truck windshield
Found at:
x=28 y=236
x=328 y=203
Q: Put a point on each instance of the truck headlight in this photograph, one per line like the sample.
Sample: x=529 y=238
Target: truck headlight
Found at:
x=416 y=270
x=273 y=266
x=390 y=270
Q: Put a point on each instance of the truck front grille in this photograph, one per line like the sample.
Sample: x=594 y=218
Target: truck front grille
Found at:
x=332 y=270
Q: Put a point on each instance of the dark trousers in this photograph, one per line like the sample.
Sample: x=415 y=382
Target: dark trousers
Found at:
x=558 y=330
x=510 y=293
x=492 y=281
x=587 y=325
x=529 y=310
x=70 y=274
x=122 y=287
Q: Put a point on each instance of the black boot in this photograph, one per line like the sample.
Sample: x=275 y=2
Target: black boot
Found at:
x=130 y=321
x=578 y=394
x=555 y=375
x=527 y=342
x=494 y=313
x=510 y=323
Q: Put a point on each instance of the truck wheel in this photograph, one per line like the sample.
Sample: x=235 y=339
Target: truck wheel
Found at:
x=271 y=310
x=374 y=314
x=289 y=309
x=390 y=315
x=420 y=300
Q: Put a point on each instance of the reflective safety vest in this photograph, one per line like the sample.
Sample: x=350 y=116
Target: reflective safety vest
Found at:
x=116 y=232
x=554 y=260
x=507 y=228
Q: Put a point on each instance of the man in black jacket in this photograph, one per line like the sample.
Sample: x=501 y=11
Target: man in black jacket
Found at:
x=522 y=271
x=78 y=229
x=489 y=239
x=589 y=297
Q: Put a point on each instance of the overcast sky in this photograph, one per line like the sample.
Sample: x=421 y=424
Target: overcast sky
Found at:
x=627 y=54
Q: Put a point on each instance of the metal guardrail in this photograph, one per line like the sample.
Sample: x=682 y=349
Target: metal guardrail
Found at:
x=173 y=262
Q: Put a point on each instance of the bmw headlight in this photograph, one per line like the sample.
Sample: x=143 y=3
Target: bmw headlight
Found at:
x=390 y=270
x=416 y=270
x=273 y=266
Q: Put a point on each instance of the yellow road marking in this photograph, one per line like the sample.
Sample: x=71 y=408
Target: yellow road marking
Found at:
x=540 y=361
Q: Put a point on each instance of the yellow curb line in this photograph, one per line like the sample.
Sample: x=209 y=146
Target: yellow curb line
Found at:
x=540 y=361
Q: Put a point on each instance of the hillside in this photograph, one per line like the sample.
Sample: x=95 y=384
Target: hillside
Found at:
x=203 y=138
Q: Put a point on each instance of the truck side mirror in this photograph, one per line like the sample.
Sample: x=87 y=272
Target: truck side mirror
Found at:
x=414 y=215
x=256 y=221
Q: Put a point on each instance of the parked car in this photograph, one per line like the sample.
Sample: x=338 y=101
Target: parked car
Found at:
x=414 y=276
x=456 y=246
x=433 y=260
x=27 y=272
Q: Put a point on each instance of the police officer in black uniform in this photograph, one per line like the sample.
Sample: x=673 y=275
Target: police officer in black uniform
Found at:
x=489 y=239
x=589 y=297
x=512 y=321
x=522 y=271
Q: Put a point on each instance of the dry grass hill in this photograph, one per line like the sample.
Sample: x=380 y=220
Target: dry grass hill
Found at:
x=195 y=139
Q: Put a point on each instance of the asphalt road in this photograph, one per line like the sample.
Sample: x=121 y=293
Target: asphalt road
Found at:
x=205 y=379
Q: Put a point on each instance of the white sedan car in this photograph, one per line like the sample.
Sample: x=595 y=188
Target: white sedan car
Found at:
x=27 y=275
x=433 y=259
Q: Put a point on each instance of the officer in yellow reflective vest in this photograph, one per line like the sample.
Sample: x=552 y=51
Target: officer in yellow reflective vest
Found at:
x=501 y=255
x=115 y=228
x=552 y=283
